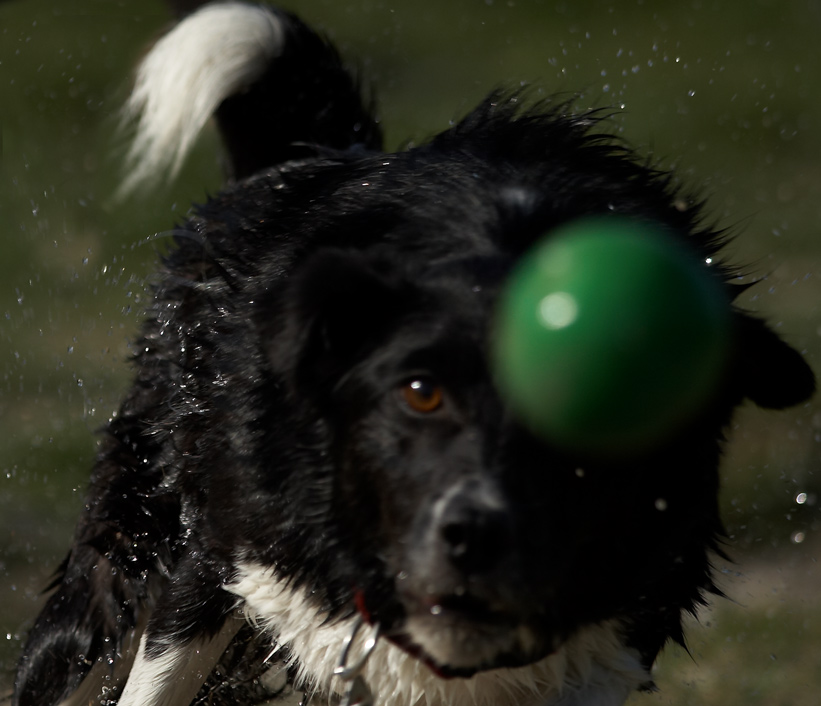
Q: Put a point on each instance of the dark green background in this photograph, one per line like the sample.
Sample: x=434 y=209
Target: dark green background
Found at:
x=726 y=93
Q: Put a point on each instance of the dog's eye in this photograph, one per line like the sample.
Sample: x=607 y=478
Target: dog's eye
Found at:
x=423 y=395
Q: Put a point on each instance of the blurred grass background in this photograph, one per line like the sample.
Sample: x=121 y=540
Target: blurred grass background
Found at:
x=726 y=93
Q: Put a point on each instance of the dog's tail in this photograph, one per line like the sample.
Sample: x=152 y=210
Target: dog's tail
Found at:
x=275 y=86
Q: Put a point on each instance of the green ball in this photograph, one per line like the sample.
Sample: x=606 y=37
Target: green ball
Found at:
x=609 y=337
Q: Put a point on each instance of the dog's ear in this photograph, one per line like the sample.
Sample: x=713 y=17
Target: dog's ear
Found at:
x=772 y=374
x=335 y=310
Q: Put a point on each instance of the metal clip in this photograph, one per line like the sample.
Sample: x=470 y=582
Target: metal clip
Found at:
x=357 y=692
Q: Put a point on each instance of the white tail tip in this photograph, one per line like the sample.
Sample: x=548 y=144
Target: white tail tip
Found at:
x=211 y=55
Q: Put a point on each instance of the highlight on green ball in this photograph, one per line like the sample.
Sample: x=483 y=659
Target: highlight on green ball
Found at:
x=609 y=336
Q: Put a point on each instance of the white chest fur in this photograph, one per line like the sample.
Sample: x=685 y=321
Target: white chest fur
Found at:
x=593 y=668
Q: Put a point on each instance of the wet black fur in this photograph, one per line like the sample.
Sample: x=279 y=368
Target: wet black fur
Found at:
x=264 y=416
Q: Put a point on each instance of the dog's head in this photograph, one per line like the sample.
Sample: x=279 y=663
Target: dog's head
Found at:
x=409 y=489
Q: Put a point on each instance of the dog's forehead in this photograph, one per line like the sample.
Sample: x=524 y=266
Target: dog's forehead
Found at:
x=440 y=205
x=423 y=195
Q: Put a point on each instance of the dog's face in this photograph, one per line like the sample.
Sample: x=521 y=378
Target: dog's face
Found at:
x=472 y=542
x=399 y=483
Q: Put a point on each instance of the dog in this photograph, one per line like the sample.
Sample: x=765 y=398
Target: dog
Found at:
x=313 y=489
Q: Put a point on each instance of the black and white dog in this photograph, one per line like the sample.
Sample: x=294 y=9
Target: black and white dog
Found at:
x=313 y=489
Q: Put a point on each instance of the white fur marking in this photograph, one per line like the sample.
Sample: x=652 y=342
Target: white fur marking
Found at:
x=593 y=668
x=175 y=677
x=212 y=54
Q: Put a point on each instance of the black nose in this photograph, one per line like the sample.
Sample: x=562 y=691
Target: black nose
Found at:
x=475 y=531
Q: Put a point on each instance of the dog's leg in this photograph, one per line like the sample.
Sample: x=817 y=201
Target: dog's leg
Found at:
x=87 y=632
x=172 y=675
x=191 y=626
x=278 y=90
x=105 y=679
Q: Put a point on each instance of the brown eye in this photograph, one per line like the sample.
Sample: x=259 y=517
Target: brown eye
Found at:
x=422 y=395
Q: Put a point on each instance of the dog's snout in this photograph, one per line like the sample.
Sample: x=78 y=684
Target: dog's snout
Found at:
x=475 y=532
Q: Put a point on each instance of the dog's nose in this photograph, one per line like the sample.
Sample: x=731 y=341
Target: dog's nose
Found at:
x=476 y=532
